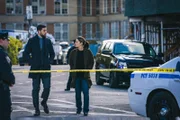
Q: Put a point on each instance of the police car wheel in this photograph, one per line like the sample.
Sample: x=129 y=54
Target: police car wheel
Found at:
x=162 y=106
x=113 y=80
x=99 y=81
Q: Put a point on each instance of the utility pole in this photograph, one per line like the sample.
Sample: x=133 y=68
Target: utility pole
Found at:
x=29 y=14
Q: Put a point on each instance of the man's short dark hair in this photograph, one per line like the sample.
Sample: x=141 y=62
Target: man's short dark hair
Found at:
x=40 y=27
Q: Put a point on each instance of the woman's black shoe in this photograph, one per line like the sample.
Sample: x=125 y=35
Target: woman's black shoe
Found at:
x=37 y=113
x=85 y=114
x=66 y=89
x=46 y=109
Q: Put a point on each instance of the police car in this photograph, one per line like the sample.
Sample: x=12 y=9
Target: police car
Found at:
x=156 y=94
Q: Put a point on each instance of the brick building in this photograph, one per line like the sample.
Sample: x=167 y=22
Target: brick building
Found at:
x=66 y=19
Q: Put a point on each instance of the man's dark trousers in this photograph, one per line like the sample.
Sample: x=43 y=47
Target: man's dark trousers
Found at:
x=36 y=87
x=5 y=104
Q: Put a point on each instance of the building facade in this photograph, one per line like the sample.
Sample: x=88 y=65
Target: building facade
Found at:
x=67 y=19
x=156 y=22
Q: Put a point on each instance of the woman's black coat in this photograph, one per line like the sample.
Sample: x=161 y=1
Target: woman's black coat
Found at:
x=40 y=59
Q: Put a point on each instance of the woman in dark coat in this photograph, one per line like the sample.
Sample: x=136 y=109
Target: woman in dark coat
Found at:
x=81 y=58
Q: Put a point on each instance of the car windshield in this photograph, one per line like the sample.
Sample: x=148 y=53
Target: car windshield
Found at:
x=64 y=46
x=133 y=48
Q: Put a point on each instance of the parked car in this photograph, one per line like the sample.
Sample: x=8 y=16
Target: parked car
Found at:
x=120 y=54
x=20 y=56
x=156 y=94
x=64 y=58
x=58 y=54
x=65 y=47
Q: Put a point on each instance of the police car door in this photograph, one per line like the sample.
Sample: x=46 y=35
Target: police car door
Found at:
x=175 y=84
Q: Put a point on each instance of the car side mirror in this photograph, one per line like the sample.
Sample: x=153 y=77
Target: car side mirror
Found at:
x=107 y=52
x=160 y=55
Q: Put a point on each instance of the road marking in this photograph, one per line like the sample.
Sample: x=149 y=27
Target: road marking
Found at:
x=72 y=103
x=73 y=112
x=22 y=109
x=52 y=104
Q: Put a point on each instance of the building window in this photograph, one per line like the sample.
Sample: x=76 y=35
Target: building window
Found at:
x=79 y=29
x=105 y=31
x=122 y=6
x=98 y=32
x=14 y=6
x=88 y=31
x=61 y=32
x=115 y=30
x=114 y=6
x=39 y=7
x=80 y=7
x=105 y=7
x=61 y=7
x=88 y=7
x=14 y=26
x=124 y=28
x=97 y=7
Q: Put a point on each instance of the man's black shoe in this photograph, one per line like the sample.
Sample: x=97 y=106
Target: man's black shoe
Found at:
x=85 y=114
x=37 y=113
x=46 y=109
x=66 y=89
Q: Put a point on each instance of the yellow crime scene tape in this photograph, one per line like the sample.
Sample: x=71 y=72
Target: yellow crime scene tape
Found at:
x=99 y=70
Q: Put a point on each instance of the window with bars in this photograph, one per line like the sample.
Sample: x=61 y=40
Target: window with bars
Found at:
x=14 y=26
x=124 y=28
x=80 y=7
x=61 y=32
x=98 y=32
x=79 y=29
x=60 y=7
x=105 y=6
x=39 y=7
x=115 y=30
x=105 y=31
x=88 y=7
x=88 y=31
x=97 y=7
x=122 y=6
x=114 y=6
x=14 y=6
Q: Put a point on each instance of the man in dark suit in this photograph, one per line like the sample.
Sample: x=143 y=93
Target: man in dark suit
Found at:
x=40 y=49
x=7 y=78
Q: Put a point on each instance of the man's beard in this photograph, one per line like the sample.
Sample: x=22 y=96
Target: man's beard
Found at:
x=43 y=36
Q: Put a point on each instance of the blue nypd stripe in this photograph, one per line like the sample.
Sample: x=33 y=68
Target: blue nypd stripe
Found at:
x=161 y=76
x=132 y=75
x=169 y=76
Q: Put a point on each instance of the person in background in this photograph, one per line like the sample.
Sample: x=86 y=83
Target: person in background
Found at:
x=42 y=55
x=81 y=58
x=68 y=86
x=7 y=79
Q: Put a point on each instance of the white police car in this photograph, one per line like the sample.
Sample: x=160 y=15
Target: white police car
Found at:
x=156 y=94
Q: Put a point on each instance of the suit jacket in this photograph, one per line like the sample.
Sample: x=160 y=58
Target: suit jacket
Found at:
x=40 y=59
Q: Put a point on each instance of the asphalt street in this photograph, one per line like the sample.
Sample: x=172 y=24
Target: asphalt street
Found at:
x=105 y=103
